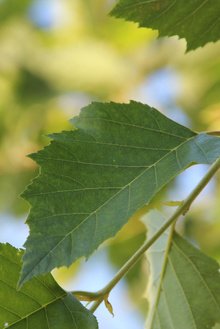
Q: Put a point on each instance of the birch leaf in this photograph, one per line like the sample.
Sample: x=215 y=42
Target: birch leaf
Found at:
x=195 y=20
x=184 y=285
x=41 y=303
x=94 y=178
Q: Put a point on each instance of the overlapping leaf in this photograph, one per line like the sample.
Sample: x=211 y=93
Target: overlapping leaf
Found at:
x=198 y=21
x=184 y=287
x=41 y=303
x=93 y=179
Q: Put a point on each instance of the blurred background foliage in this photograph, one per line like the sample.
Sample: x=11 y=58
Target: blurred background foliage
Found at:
x=58 y=56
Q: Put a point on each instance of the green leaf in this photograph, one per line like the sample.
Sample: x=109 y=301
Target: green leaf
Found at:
x=93 y=179
x=198 y=21
x=184 y=285
x=41 y=303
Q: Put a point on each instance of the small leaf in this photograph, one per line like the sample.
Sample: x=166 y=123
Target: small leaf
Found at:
x=41 y=303
x=184 y=285
x=94 y=179
x=198 y=21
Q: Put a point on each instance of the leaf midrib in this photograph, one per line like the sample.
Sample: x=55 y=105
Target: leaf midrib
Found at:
x=163 y=268
x=199 y=274
x=37 y=310
x=95 y=211
x=183 y=292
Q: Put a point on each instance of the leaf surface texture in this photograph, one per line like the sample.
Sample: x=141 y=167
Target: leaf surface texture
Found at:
x=184 y=284
x=198 y=21
x=94 y=178
x=41 y=303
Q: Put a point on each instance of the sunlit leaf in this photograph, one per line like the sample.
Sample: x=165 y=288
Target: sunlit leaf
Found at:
x=184 y=286
x=195 y=20
x=41 y=303
x=93 y=179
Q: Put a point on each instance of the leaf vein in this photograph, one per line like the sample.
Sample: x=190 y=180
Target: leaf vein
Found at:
x=124 y=145
x=198 y=273
x=125 y=114
x=202 y=150
x=167 y=304
x=76 y=190
x=207 y=30
x=71 y=313
x=135 y=126
x=183 y=292
x=94 y=164
x=70 y=178
x=106 y=202
x=46 y=316
x=192 y=13
x=10 y=311
x=60 y=215
x=177 y=159
x=163 y=12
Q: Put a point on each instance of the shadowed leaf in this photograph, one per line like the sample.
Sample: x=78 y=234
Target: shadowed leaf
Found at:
x=93 y=179
x=198 y=21
x=184 y=285
x=41 y=303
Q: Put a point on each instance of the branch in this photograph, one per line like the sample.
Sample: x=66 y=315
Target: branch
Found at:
x=100 y=295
